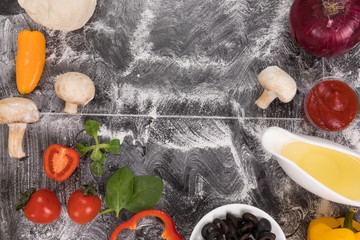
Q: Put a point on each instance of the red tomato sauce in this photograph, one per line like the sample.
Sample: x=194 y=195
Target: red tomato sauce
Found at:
x=331 y=105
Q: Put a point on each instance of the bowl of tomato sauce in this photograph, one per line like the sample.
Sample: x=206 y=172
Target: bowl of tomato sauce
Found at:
x=330 y=105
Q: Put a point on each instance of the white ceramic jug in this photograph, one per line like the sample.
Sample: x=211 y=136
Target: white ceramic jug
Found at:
x=275 y=138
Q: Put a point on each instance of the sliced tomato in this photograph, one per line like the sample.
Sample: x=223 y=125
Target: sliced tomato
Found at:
x=60 y=162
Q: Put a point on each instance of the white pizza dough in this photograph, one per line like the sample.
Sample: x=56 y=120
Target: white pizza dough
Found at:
x=65 y=15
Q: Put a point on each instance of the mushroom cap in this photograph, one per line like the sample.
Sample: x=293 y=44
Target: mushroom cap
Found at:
x=75 y=88
x=276 y=80
x=18 y=110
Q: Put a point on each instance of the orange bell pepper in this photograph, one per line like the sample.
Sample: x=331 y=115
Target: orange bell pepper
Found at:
x=30 y=60
x=169 y=232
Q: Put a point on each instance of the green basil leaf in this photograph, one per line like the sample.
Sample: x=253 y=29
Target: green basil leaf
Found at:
x=92 y=127
x=147 y=192
x=114 y=146
x=97 y=169
x=97 y=154
x=82 y=148
x=119 y=189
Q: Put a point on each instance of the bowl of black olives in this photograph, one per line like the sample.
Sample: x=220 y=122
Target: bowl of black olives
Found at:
x=237 y=222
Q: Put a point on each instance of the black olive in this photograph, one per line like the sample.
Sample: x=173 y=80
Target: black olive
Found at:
x=266 y=236
x=207 y=228
x=250 y=217
x=255 y=233
x=247 y=227
x=231 y=218
x=264 y=225
x=224 y=228
x=233 y=233
x=241 y=222
x=245 y=236
x=229 y=222
x=214 y=234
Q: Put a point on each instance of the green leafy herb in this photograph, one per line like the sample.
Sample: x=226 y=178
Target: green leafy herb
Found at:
x=114 y=146
x=97 y=168
x=92 y=127
x=81 y=148
x=97 y=155
x=135 y=194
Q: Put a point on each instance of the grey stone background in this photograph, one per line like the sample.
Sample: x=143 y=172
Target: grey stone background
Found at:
x=176 y=82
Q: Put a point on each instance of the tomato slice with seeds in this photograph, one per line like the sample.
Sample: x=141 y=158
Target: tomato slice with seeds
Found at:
x=60 y=162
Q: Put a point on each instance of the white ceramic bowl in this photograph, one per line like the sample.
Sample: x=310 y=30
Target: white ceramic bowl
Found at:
x=237 y=210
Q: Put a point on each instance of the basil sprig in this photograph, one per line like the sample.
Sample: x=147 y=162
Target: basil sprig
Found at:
x=135 y=194
x=92 y=128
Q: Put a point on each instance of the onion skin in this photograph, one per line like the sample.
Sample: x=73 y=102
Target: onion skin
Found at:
x=322 y=35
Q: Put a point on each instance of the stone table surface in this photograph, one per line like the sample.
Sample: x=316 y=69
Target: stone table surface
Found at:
x=176 y=82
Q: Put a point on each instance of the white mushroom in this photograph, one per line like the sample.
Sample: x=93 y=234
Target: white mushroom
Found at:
x=74 y=88
x=16 y=113
x=277 y=84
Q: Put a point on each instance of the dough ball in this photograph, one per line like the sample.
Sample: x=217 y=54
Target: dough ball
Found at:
x=65 y=15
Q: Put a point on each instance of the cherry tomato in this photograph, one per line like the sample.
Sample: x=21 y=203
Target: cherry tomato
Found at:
x=83 y=208
x=42 y=207
x=60 y=162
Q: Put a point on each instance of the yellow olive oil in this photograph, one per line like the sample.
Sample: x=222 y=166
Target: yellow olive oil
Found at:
x=338 y=171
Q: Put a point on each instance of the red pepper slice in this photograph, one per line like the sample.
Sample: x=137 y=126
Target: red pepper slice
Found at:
x=169 y=232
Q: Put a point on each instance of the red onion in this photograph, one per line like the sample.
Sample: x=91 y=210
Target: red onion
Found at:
x=325 y=28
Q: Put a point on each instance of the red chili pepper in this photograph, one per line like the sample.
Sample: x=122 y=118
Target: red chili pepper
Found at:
x=169 y=232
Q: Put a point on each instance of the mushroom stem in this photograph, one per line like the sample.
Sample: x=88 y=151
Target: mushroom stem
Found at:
x=265 y=99
x=16 y=135
x=70 y=108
